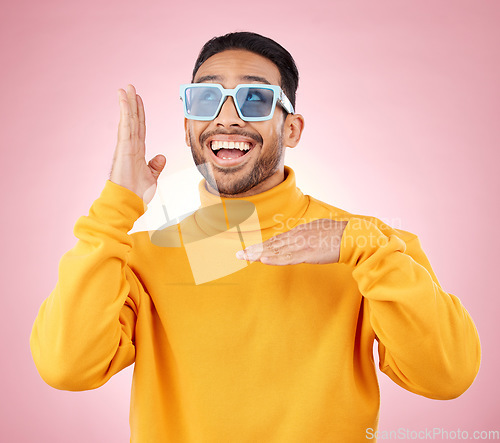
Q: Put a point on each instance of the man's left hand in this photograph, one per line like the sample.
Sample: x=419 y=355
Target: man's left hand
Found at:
x=317 y=242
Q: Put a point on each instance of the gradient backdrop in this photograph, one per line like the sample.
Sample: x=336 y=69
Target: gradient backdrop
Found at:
x=402 y=103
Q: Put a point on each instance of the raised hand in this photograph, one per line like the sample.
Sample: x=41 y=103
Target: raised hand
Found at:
x=130 y=169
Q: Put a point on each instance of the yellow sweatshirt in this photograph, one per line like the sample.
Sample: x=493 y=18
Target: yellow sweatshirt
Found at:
x=255 y=353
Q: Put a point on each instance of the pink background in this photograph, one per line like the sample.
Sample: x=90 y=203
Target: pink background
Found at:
x=401 y=101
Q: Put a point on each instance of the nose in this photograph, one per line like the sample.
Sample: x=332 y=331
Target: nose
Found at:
x=228 y=115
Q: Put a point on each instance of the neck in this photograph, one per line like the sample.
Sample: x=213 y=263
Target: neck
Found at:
x=274 y=206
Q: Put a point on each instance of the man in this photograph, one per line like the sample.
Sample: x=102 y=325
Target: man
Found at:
x=279 y=350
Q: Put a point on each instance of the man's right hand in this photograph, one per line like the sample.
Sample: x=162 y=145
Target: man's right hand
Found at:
x=130 y=169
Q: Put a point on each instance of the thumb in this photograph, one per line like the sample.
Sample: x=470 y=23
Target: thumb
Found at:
x=156 y=164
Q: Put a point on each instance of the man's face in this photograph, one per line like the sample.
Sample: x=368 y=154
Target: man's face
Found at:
x=237 y=171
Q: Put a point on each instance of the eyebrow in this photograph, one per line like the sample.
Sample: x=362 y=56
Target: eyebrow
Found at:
x=218 y=78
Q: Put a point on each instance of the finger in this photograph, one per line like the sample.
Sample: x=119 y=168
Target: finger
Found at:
x=275 y=241
x=156 y=164
x=252 y=253
x=124 y=124
x=288 y=236
x=267 y=249
x=288 y=258
x=281 y=251
x=142 y=119
x=278 y=237
x=286 y=241
x=133 y=114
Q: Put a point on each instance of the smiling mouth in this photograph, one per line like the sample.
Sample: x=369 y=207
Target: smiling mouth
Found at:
x=228 y=150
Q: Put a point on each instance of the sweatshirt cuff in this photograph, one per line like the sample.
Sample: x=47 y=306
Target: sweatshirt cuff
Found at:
x=118 y=207
x=362 y=240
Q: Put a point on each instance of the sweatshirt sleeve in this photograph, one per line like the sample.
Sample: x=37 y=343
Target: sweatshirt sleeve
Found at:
x=84 y=331
x=428 y=343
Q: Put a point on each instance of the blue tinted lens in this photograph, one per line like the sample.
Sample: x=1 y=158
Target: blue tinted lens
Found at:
x=203 y=101
x=255 y=102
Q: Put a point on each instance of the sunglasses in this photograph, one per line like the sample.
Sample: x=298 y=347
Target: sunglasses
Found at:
x=254 y=102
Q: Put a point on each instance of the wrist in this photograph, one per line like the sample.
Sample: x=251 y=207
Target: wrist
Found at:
x=360 y=240
x=118 y=206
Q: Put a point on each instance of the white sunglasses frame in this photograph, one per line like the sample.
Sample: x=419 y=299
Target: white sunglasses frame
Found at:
x=278 y=97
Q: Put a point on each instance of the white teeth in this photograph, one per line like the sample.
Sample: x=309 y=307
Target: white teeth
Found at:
x=242 y=146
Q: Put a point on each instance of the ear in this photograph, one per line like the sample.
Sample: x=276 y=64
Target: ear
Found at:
x=186 y=131
x=292 y=130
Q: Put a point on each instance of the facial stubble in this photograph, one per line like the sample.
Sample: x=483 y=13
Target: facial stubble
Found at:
x=264 y=168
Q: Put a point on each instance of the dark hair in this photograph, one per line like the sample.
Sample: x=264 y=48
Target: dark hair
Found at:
x=258 y=44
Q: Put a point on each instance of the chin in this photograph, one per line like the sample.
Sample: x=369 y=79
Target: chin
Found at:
x=232 y=180
x=227 y=185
